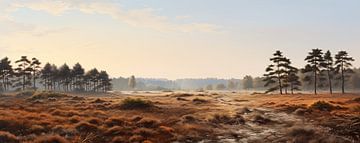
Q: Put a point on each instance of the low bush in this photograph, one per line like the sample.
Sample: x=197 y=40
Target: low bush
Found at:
x=84 y=127
x=130 y=104
x=225 y=119
x=47 y=95
x=261 y=120
x=117 y=131
x=301 y=135
x=322 y=106
x=148 y=123
x=199 y=101
x=26 y=93
x=115 y=121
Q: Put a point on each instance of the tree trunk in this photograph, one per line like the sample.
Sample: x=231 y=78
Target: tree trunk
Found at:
x=330 y=84
x=23 y=84
x=342 y=78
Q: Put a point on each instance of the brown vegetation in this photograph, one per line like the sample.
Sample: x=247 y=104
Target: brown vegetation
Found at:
x=157 y=119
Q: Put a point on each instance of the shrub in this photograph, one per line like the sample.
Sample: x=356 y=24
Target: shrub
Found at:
x=130 y=104
x=117 y=131
x=98 y=100
x=6 y=137
x=189 y=119
x=301 y=135
x=261 y=120
x=47 y=95
x=199 y=101
x=37 y=129
x=114 y=121
x=244 y=110
x=322 y=106
x=95 y=121
x=300 y=111
x=85 y=127
x=148 y=123
x=51 y=139
x=26 y=93
x=225 y=119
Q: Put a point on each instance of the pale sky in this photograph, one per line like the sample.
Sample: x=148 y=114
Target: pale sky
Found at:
x=177 y=38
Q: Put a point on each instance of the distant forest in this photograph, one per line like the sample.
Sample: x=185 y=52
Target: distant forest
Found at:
x=322 y=73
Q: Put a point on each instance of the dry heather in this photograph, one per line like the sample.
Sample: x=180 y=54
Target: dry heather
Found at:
x=46 y=117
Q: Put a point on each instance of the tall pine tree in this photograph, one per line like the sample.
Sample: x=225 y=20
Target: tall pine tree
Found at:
x=343 y=66
x=276 y=72
x=315 y=61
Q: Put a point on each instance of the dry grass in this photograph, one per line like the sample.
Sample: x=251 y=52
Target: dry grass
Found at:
x=161 y=119
x=131 y=104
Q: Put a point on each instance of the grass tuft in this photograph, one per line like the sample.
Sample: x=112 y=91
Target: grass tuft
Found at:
x=322 y=106
x=131 y=104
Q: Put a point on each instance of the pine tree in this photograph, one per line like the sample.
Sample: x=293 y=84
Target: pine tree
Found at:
x=248 y=82
x=132 y=82
x=64 y=76
x=6 y=72
x=94 y=78
x=315 y=61
x=54 y=77
x=46 y=75
x=23 y=71
x=292 y=78
x=329 y=69
x=343 y=65
x=78 y=73
x=276 y=73
x=35 y=69
x=105 y=81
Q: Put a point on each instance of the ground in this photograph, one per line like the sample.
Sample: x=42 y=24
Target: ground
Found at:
x=178 y=117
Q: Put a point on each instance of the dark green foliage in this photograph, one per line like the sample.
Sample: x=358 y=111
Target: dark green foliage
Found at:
x=281 y=75
x=315 y=62
x=23 y=73
x=6 y=73
x=328 y=65
x=343 y=66
x=130 y=103
x=322 y=106
x=248 y=82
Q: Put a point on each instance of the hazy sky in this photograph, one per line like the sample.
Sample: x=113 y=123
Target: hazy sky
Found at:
x=177 y=38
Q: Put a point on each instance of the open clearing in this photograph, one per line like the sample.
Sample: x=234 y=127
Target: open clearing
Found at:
x=178 y=117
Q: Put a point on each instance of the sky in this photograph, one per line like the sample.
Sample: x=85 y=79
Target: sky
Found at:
x=177 y=38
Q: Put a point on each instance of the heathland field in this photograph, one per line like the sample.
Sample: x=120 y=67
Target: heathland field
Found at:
x=162 y=117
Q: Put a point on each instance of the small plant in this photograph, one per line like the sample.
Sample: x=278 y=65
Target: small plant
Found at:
x=130 y=104
x=85 y=127
x=225 y=119
x=47 y=95
x=199 y=101
x=322 y=106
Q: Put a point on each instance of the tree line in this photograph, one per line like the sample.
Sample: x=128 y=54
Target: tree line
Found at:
x=26 y=73
x=321 y=70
